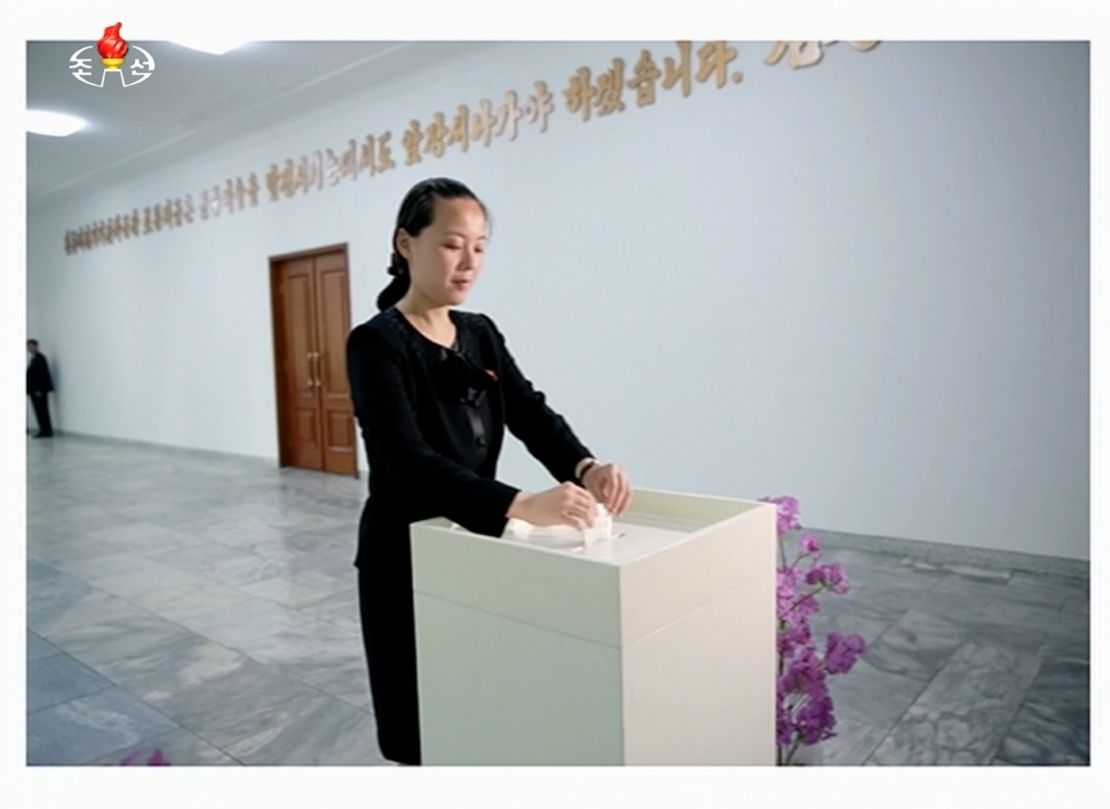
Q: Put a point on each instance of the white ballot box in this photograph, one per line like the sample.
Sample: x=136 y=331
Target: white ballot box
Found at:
x=656 y=646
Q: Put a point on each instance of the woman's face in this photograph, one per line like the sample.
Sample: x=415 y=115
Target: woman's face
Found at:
x=446 y=258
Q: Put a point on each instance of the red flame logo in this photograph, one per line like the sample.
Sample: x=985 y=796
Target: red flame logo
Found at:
x=112 y=45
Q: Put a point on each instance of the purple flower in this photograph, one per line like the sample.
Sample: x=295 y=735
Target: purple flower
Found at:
x=807 y=605
x=804 y=672
x=804 y=707
x=786 y=588
x=788 y=512
x=842 y=651
x=784 y=727
x=831 y=575
x=815 y=717
x=797 y=635
x=809 y=543
x=156 y=759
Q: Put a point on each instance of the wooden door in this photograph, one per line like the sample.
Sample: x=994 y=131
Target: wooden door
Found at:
x=333 y=324
x=311 y=321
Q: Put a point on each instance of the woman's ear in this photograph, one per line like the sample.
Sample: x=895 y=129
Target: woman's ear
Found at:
x=403 y=245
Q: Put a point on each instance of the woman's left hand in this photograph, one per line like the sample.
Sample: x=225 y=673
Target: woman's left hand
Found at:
x=609 y=485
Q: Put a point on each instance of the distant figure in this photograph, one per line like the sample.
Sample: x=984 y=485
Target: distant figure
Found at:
x=39 y=384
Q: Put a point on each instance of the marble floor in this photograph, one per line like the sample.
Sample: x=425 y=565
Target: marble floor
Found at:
x=205 y=606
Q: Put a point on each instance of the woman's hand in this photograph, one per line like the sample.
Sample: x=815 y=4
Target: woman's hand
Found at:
x=609 y=484
x=566 y=504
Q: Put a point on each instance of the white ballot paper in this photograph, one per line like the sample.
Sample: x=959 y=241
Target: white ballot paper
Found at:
x=600 y=531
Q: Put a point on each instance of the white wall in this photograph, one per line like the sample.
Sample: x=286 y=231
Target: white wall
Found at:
x=864 y=283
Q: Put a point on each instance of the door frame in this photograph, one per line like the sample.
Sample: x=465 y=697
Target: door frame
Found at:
x=277 y=329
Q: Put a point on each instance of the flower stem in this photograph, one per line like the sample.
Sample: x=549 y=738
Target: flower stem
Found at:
x=793 y=749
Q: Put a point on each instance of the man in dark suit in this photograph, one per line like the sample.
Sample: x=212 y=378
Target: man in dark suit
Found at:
x=39 y=385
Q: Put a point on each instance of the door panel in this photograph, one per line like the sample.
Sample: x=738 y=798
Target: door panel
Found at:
x=303 y=439
x=340 y=429
x=312 y=320
x=333 y=324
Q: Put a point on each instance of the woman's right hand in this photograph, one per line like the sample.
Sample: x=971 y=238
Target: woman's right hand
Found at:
x=566 y=504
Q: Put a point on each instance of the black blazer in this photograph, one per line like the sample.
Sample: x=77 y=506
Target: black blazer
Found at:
x=38 y=375
x=433 y=421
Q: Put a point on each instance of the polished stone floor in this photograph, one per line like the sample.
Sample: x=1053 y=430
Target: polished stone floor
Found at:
x=205 y=606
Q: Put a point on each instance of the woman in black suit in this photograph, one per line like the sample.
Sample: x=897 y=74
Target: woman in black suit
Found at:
x=433 y=390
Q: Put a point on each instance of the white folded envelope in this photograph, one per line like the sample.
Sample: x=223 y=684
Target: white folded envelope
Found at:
x=600 y=531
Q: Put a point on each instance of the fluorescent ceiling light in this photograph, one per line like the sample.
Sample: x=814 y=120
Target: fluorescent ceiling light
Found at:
x=217 y=47
x=57 y=124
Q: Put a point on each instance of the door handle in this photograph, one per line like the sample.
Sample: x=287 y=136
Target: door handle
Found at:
x=319 y=383
x=311 y=373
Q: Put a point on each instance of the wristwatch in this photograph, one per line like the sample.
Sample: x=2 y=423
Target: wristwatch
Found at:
x=584 y=466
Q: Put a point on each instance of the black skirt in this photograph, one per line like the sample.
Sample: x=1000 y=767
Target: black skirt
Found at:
x=389 y=637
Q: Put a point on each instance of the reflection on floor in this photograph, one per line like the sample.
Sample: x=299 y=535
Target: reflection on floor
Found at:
x=205 y=606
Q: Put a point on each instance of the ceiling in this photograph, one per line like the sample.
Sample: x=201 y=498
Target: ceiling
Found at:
x=193 y=100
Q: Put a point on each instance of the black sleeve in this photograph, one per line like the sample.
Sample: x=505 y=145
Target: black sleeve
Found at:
x=544 y=432
x=397 y=449
x=46 y=375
